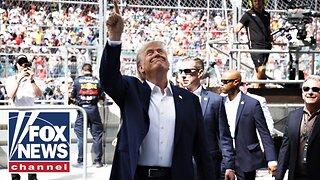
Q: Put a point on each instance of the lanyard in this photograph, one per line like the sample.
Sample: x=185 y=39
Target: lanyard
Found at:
x=306 y=138
x=305 y=128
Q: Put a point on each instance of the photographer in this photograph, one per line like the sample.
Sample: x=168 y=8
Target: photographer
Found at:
x=257 y=23
x=22 y=91
x=21 y=88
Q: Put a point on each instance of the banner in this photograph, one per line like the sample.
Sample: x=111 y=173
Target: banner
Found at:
x=39 y=141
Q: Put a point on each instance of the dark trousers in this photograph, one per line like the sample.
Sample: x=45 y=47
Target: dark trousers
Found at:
x=217 y=171
x=31 y=176
x=251 y=175
x=96 y=130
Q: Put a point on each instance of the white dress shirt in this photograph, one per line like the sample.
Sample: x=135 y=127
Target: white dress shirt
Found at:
x=198 y=92
x=157 y=147
x=231 y=110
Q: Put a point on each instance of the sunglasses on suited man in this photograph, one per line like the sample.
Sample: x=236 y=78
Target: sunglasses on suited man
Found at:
x=187 y=71
x=226 y=81
x=313 y=89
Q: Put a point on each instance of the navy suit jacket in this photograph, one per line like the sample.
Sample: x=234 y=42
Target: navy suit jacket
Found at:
x=133 y=97
x=288 y=154
x=249 y=118
x=217 y=129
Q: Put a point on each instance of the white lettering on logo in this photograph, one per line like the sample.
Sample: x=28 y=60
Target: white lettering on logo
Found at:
x=47 y=133
x=50 y=148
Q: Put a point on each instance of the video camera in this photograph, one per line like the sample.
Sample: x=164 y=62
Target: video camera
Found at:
x=298 y=17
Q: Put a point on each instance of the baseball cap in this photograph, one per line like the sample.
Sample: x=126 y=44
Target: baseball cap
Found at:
x=22 y=59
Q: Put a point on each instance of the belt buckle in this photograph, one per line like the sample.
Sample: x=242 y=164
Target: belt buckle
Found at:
x=150 y=174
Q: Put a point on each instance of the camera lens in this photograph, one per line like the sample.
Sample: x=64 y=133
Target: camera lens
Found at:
x=26 y=65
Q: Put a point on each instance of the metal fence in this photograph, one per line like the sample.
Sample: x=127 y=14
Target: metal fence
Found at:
x=60 y=35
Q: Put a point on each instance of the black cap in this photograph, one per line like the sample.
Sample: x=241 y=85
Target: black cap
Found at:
x=22 y=59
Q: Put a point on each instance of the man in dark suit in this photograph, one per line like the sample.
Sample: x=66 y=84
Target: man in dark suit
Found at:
x=162 y=125
x=246 y=118
x=300 y=147
x=220 y=142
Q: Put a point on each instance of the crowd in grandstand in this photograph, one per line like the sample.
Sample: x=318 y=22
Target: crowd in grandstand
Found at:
x=36 y=28
x=47 y=29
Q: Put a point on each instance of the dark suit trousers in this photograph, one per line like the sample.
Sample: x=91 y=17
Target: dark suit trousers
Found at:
x=251 y=175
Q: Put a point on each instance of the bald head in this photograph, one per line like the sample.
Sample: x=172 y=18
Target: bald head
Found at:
x=231 y=74
x=231 y=81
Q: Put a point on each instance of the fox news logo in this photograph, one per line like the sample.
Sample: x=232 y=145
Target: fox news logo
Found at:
x=39 y=141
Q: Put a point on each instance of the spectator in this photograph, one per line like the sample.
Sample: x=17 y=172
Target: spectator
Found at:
x=3 y=93
x=49 y=90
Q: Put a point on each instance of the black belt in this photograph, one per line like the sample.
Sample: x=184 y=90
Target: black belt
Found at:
x=153 y=171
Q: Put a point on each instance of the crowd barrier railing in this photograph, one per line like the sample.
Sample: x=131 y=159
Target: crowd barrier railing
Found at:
x=297 y=51
x=296 y=79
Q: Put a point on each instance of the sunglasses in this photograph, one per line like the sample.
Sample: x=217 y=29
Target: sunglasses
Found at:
x=187 y=71
x=226 y=81
x=314 y=89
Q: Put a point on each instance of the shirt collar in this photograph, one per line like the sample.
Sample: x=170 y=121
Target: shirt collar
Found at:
x=198 y=91
x=305 y=111
x=168 y=89
x=236 y=99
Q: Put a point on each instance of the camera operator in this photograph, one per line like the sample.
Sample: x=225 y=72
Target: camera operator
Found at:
x=22 y=91
x=257 y=23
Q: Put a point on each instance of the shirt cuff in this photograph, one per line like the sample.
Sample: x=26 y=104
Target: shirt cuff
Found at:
x=272 y=163
x=113 y=43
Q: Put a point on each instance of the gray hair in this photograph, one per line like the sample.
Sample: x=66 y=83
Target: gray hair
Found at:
x=140 y=57
x=313 y=77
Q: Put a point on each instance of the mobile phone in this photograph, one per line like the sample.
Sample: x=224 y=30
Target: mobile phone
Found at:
x=26 y=65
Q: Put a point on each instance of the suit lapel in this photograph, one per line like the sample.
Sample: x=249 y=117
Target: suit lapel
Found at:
x=145 y=96
x=178 y=103
x=295 y=124
x=204 y=100
x=240 y=108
